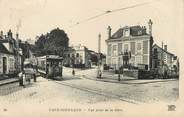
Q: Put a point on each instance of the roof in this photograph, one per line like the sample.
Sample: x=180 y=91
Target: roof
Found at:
x=163 y=49
x=4 y=50
x=134 y=31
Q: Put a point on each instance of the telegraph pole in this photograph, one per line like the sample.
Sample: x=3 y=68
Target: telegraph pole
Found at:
x=99 y=72
x=17 y=53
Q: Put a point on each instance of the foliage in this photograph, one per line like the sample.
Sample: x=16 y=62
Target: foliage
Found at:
x=54 y=42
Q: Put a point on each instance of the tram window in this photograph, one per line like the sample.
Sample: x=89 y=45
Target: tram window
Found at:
x=28 y=66
x=77 y=55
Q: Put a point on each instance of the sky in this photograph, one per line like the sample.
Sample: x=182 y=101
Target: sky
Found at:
x=35 y=17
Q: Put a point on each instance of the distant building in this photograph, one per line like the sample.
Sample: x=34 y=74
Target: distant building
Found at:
x=161 y=56
x=94 y=56
x=78 y=56
x=130 y=46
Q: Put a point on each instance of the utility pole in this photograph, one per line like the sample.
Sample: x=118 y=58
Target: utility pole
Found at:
x=99 y=43
x=99 y=72
x=17 y=53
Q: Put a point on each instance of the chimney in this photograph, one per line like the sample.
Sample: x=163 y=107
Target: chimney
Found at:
x=10 y=34
x=99 y=43
x=17 y=36
x=165 y=47
x=1 y=34
x=109 y=32
x=150 y=23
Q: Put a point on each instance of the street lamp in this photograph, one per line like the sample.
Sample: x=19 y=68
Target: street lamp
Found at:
x=119 y=71
x=99 y=72
x=73 y=60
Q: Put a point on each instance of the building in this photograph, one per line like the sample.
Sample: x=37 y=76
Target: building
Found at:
x=10 y=54
x=77 y=56
x=161 y=56
x=130 y=46
x=95 y=57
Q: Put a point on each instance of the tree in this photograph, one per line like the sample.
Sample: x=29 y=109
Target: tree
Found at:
x=54 y=42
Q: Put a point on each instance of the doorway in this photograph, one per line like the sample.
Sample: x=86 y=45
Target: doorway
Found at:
x=4 y=65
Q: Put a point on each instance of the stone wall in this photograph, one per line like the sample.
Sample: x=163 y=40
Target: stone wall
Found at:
x=138 y=74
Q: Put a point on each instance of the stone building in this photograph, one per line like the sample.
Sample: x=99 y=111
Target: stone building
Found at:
x=10 y=54
x=78 y=56
x=161 y=56
x=130 y=46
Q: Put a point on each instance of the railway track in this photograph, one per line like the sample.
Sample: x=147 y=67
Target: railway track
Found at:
x=101 y=93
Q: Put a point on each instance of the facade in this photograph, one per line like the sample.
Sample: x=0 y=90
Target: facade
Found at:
x=165 y=62
x=10 y=55
x=95 y=57
x=78 y=56
x=130 y=46
x=161 y=57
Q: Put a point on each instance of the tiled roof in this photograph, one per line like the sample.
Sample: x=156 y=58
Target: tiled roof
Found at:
x=134 y=31
x=163 y=49
x=4 y=50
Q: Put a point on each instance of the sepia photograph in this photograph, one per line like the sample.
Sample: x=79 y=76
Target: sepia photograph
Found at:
x=112 y=58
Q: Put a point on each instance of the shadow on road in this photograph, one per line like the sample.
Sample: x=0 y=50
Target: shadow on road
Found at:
x=133 y=81
x=70 y=78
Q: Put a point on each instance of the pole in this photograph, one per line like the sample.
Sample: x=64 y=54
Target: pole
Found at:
x=162 y=58
x=99 y=51
x=17 y=52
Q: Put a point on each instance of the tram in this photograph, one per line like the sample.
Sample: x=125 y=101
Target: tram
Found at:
x=50 y=66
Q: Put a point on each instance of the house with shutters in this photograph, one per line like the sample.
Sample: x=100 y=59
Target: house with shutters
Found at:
x=130 y=46
x=10 y=54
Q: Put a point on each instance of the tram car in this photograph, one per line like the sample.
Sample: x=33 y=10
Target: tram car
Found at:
x=50 y=66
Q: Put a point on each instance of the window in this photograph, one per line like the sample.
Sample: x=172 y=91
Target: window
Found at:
x=132 y=47
x=145 y=47
x=77 y=55
x=138 y=46
x=109 y=61
x=138 y=60
x=109 y=50
x=114 y=50
x=126 y=33
x=145 y=59
x=119 y=48
x=125 y=47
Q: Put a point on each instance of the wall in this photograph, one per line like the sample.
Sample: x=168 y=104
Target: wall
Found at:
x=140 y=51
x=10 y=63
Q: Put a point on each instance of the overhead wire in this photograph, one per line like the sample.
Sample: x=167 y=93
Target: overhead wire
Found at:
x=110 y=11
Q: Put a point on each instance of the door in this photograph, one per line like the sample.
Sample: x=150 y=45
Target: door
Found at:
x=4 y=65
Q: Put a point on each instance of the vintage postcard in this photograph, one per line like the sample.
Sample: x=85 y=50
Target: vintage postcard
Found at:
x=120 y=58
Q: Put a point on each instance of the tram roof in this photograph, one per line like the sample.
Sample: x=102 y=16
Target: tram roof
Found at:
x=51 y=57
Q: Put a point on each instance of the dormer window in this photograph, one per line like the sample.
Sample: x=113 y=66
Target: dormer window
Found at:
x=126 y=32
x=140 y=32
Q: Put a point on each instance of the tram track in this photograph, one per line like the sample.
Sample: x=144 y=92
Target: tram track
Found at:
x=101 y=93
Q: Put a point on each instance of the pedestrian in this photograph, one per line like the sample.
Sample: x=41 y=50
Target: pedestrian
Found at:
x=119 y=76
x=21 y=79
x=73 y=72
x=100 y=73
x=34 y=77
x=165 y=74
